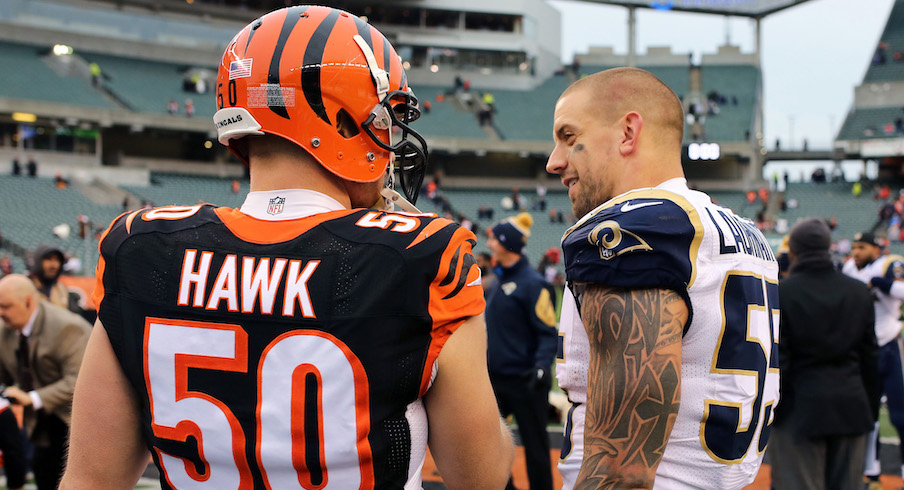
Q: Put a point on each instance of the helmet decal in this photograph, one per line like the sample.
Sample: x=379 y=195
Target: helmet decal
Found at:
x=274 y=91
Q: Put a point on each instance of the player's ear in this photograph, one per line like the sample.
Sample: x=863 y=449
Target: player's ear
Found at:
x=632 y=124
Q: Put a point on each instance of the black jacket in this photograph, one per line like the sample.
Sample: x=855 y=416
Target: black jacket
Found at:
x=827 y=353
x=521 y=321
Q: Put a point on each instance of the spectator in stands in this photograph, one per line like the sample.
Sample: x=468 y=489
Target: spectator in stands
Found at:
x=547 y=265
x=879 y=57
x=490 y=102
x=459 y=83
x=487 y=275
x=778 y=144
x=481 y=212
x=45 y=274
x=6 y=265
x=886 y=211
x=236 y=187
x=857 y=189
x=189 y=108
x=540 y=205
x=556 y=216
x=425 y=106
x=751 y=197
x=819 y=176
x=17 y=167
x=84 y=226
x=172 y=107
x=96 y=73
x=465 y=222
x=32 y=167
x=828 y=356
x=59 y=181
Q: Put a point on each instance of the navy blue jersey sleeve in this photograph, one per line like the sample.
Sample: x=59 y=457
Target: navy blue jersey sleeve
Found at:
x=636 y=243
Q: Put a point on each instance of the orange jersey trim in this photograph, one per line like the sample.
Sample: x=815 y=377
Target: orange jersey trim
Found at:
x=450 y=304
x=98 y=294
x=265 y=232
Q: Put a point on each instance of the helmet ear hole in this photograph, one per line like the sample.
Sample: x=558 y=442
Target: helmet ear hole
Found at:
x=345 y=124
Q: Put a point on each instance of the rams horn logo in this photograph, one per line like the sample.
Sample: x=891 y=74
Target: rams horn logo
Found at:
x=613 y=241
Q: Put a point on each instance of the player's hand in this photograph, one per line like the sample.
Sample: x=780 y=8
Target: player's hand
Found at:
x=16 y=395
x=881 y=283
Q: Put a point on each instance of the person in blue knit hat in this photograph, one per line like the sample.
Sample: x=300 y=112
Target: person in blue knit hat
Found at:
x=521 y=342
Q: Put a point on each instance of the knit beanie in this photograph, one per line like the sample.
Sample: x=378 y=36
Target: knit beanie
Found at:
x=810 y=235
x=512 y=233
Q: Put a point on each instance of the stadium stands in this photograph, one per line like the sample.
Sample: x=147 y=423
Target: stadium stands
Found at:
x=27 y=76
x=446 y=119
x=36 y=206
x=738 y=83
x=148 y=86
x=168 y=189
x=877 y=116
x=871 y=123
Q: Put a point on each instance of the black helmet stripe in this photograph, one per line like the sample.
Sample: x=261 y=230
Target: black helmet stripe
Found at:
x=387 y=48
x=364 y=32
x=274 y=91
x=254 y=29
x=310 y=71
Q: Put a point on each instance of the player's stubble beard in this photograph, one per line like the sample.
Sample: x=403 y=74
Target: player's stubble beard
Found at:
x=592 y=194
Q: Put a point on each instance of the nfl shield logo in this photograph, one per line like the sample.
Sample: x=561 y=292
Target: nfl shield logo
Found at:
x=276 y=205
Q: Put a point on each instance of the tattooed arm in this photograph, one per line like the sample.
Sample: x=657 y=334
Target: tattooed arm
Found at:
x=633 y=384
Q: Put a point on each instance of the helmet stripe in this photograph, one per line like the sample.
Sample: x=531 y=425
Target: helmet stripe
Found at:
x=364 y=31
x=273 y=90
x=251 y=32
x=387 y=48
x=310 y=71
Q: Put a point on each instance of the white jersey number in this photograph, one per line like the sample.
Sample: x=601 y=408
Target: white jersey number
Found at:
x=296 y=373
x=747 y=348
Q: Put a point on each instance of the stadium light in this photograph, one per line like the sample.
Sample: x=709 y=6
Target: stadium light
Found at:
x=61 y=49
x=25 y=117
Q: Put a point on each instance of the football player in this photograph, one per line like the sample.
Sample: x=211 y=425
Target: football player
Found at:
x=670 y=317
x=883 y=273
x=311 y=338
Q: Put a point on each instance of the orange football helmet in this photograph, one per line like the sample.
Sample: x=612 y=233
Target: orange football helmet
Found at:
x=330 y=83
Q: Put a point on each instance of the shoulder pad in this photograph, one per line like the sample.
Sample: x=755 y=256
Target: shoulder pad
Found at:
x=894 y=267
x=645 y=240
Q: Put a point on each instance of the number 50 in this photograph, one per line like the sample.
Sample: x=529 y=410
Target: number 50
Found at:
x=294 y=373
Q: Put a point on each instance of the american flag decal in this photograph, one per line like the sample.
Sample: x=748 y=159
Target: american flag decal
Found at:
x=240 y=69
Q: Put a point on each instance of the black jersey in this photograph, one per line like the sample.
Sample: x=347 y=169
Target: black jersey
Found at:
x=284 y=354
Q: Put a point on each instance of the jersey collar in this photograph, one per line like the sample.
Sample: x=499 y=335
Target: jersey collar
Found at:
x=287 y=204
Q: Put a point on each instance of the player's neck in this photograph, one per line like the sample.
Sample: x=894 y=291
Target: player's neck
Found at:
x=649 y=171
x=286 y=173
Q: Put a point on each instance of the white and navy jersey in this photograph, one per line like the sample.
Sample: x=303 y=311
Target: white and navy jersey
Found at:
x=888 y=308
x=673 y=238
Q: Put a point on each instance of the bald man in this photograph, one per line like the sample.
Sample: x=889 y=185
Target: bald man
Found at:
x=41 y=349
x=670 y=319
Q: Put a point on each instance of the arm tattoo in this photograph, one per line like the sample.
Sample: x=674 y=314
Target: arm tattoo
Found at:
x=633 y=383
